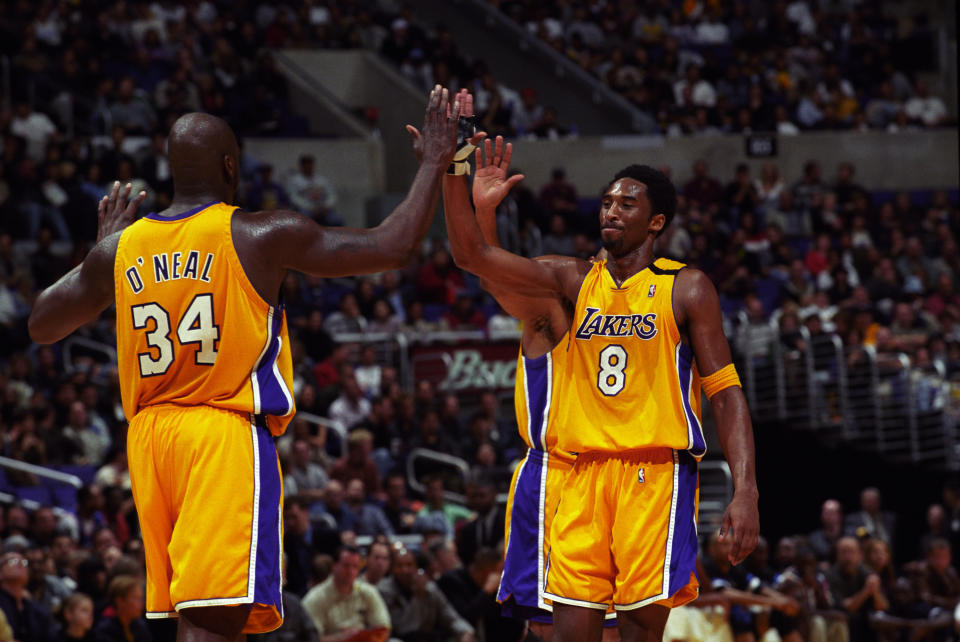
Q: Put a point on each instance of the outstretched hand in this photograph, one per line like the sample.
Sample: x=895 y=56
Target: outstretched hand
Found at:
x=490 y=183
x=114 y=212
x=439 y=104
x=741 y=523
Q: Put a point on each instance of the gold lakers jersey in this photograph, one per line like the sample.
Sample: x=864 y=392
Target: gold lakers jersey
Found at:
x=631 y=382
x=535 y=394
x=191 y=328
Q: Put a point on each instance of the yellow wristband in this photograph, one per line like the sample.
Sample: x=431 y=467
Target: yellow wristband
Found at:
x=722 y=379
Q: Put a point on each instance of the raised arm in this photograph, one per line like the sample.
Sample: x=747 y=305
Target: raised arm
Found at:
x=698 y=311
x=297 y=243
x=79 y=296
x=502 y=270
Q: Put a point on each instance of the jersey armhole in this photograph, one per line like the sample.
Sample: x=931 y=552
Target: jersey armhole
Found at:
x=673 y=326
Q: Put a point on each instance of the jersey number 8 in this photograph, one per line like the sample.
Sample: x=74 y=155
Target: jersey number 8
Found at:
x=613 y=361
x=196 y=326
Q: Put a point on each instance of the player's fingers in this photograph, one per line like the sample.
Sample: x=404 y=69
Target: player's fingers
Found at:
x=102 y=208
x=736 y=548
x=467 y=104
x=487 y=151
x=444 y=107
x=513 y=180
x=477 y=137
x=112 y=198
x=135 y=204
x=725 y=525
x=478 y=156
x=457 y=106
x=124 y=195
x=498 y=151
x=507 y=155
x=434 y=99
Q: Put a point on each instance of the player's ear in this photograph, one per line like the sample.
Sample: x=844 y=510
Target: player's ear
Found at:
x=229 y=169
x=657 y=221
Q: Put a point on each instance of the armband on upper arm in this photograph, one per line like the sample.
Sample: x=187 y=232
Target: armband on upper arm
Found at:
x=722 y=379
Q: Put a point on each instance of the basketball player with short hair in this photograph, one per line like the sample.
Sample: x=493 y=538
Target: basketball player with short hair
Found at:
x=624 y=533
x=535 y=488
x=204 y=359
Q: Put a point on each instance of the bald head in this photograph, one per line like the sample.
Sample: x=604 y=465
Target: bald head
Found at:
x=203 y=157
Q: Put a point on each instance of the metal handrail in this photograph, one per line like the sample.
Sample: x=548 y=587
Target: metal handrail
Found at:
x=333 y=424
x=41 y=471
x=442 y=458
x=70 y=342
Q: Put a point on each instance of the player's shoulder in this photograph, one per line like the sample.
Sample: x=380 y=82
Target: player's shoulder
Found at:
x=663 y=265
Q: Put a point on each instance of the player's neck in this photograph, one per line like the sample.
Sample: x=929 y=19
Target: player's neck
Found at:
x=623 y=267
x=191 y=199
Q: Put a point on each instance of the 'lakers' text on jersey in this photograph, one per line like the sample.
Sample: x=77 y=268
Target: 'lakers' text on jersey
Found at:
x=191 y=328
x=631 y=382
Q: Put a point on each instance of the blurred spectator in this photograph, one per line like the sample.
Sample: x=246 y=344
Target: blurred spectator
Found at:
x=938 y=583
x=437 y=510
x=312 y=194
x=527 y=114
x=131 y=110
x=265 y=193
x=123 y=619
x=28 y=619
x=923 y=107
x=854 y=588
x=45 y=588
x=369 y=519
x=343 y=607
x=464 y=315
x=397 y=507
x=34 y=127
x=703 y=189
x=351 y=407
x=378 y=564
x=559 y=196
x=304 y=477
x=78 y=619
x=438 y=280
x=357 y=463
x=871 y=520
x=558 y=240
x=824 y=540
x=472 y=591
x=346 y=320
x=485 y=530
x=418 y=610
x=298 y=543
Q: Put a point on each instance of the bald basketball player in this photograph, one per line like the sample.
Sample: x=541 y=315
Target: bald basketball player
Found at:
x=204 y=359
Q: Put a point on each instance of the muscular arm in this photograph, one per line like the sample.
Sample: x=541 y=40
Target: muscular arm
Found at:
x=78 y=297
x=698 y=312
x=295 y=242
x=501 y=269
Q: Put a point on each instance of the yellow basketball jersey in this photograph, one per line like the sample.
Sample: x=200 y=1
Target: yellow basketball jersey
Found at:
x=630 y=382
x=535 y=396
x=191 y=328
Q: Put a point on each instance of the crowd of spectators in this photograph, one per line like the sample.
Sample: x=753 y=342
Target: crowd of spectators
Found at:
x=705 y=67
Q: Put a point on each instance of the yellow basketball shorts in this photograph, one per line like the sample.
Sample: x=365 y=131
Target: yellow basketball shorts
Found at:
x=625 y=532
x=208 y=491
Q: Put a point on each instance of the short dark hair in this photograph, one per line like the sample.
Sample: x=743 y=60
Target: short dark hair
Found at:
x=660 y=191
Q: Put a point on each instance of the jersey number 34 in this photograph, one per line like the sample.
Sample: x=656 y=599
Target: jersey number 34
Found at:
x=195 y=326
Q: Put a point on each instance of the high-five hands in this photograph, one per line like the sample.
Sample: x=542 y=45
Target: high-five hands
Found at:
x=441 y=126
x=490 y=184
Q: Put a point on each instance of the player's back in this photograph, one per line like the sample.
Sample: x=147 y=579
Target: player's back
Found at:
x=191 y=328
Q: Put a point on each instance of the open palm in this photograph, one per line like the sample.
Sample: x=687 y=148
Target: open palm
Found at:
x=490 y=182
